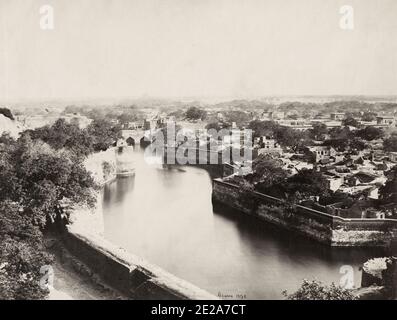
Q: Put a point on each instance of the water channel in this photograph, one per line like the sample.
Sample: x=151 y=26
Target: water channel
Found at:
x=166 y=216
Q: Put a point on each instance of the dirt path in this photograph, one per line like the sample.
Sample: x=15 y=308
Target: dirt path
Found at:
x=73 y=280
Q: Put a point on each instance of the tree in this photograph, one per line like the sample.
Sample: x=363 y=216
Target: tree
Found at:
x=20 y=265
x=99 y=135
x=195 y=113
x=368 y=116
x=241 y=118
x=6 y=138
x=64 y=135
x=390 y=144
x=305 y=184
x=267 y=171
x=340 y=133
x=42 y=180
x=38 y=185
x=292 y=138
x=333 y=197
x=104 y=134
x=22 y=254
x=357 y=144
x=42 y=177
x=350 y=121
x=370 y=133
x=126 y=117
x=340 y=138
x=388 y=192
x=316 y=290
x=262 y=128
x=318 y=131
x=7 y=113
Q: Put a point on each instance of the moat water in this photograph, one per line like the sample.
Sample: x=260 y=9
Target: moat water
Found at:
x=166 y=216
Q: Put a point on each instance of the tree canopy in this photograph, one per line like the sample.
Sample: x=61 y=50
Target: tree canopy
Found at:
x=268 y=171
x=370 y=133
x=104 y=134
x=318 y=131
x=195 y=113
x=305 y=184
x=64 y=135
x=40 y=182
x=390 y=143
x=262 y=128
x=350 y=121
x=316 y=290
x=388 y=192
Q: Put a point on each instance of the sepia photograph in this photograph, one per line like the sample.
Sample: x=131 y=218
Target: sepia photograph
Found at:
x=207 y=150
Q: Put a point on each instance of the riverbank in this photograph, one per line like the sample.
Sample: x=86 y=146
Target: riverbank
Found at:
x=320 y=226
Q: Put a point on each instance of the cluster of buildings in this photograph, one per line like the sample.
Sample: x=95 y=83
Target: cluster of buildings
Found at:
x=366 y=167
x=359 y=174
x=335 y=119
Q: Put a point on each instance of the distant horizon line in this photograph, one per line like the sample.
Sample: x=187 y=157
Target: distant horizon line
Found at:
x=190 y=98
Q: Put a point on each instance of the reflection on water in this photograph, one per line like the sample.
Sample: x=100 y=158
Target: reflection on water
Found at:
x=165 y=215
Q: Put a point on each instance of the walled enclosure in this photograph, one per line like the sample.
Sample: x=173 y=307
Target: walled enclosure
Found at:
x=323 y=227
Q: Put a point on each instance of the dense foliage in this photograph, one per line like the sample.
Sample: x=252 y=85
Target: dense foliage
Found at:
x=122 y=113
x=268 y=171
x=104 y=134
x=341 y=138
x=390 y=143
x=315 y=290
x=270 y=178
x=195 y=113
x=285 y=136
x=388 y=192
x=99 y=135
x=42 y=177
x=22 y=254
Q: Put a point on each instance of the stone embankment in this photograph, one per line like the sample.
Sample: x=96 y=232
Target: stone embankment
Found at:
x=323 y=227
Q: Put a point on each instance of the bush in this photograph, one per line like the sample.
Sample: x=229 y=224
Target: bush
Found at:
x=316 y=290
x=22 y=254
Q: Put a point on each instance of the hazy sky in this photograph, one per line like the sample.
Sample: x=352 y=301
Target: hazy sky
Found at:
x=174 y=48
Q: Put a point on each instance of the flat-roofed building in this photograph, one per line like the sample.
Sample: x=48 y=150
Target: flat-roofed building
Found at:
x=385 y=120
x=337 y=115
